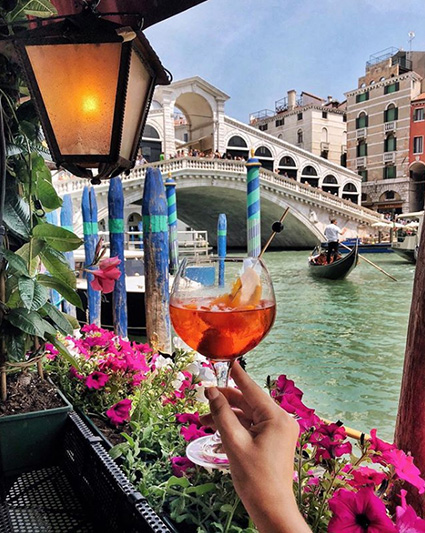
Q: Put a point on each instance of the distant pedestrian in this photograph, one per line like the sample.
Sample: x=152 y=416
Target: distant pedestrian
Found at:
x=332 y=233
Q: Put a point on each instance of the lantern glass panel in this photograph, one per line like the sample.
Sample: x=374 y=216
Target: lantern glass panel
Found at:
x=79 y=98
x=139 y=81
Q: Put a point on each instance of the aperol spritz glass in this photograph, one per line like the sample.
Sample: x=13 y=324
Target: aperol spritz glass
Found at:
x=222 y=308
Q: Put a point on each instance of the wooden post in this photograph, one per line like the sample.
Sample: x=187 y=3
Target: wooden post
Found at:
x=170 y=189
x=156 y=247
x=221 y=246
x=66 y=218
x=410 y=425
x=90 y=229
x=116 y=239
x=55 y=297
x=253 y=206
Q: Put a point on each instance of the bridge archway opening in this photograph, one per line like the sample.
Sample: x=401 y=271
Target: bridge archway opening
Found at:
x=287 y=167
x=350 y=192
x=330 y=184
x=417 y=185
x=265 y=157
x=309 y=176
x=150 y=144
x=194 y=123
x=237 y=147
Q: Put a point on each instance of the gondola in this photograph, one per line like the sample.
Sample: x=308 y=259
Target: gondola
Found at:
x=339 y=269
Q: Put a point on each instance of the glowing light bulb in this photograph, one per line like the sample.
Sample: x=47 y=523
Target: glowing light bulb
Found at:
x=90 y=104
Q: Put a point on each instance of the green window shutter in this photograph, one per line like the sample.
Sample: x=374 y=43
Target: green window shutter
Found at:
x=386 y=145
x=366 y=121
x=357 y=123
x=396 y=113
x=395 y=144
x=397 y=86
x=386 y=115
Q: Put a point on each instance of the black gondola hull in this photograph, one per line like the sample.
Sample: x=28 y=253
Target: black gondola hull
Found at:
x=336 y=270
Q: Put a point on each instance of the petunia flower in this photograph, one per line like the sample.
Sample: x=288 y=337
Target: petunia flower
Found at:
x=52 y=353
x=96 y=380
x=283 y=385
x=407 y=520
x=74 y=373
x=379 y=447
x=366 y=477
x=180 y=465
x=193 y=432
x=106 y=275
x=404 y=468
x=329 y=439
x=120 y=412
x=358 y=512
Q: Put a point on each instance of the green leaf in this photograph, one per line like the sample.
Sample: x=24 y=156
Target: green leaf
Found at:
x=26 y=290
x=58 y=238
x=199 y=490
x=56 y=263
x=47 y=194
x=179 y=481
x=54 y=283
x=72 y=320
x=63 y=350
x=41 y=295
x=36 y=8
x=15 y=344
x=27 y=321
x=59 y=319
x=17 y=215
x=16 y=262
x=36 y=247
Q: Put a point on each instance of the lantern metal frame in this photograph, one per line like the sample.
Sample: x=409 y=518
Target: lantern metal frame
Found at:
x=89 y=27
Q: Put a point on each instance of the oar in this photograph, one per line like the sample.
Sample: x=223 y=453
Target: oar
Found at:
x=370 y=263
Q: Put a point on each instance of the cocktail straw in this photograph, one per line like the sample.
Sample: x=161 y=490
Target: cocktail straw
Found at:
x=277 y=227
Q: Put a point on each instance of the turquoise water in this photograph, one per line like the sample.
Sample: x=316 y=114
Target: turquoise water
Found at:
x=341 y=341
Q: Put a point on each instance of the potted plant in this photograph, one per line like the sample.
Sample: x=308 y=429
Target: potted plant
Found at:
x=31 y=265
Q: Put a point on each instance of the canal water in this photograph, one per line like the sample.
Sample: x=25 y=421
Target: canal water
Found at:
x=342 y=342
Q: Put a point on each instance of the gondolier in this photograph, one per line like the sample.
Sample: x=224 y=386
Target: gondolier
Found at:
x=332 y=233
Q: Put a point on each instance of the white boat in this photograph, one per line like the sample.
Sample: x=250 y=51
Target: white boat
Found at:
x=408 y=235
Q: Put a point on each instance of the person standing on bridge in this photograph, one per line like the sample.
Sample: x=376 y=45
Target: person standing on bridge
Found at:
x=332 y=233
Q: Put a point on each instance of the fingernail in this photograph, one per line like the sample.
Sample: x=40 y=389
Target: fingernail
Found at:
x=211 y=393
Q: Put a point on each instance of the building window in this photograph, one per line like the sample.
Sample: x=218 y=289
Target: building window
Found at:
x=363 y=174
x=300 y=137
x=418 y=145
x=362 y=97
x=263 y=127
x=362 y=120
x=390 y=144
x=344 y=118
x=389 y=195
x=419 y=114
x=392 y=88
x=280 y=122
x=391 y=113
x=185 y=137
x=300 y=116
x=324 y=114
x=362 y=149
x=390 y=172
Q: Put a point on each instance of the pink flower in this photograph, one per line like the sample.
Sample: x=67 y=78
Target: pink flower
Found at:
x=74 y=374
x=52 y=352
x=407 y=520
x=329 y=439
x=96 y=380
x=106 y=275
x=358 y=512
x=284 y=386
x=292 y=404
x=191 y=418
x=144 y=348
x=379 y=447
x=366 y=477
x=404 y=468
x=120 y=412
x=180 y=465
x=194 y=432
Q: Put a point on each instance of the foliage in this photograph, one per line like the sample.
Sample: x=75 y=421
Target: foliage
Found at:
x=34 y=259
x=334 y=486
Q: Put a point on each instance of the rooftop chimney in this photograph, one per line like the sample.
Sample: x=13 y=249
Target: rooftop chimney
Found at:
x=330 y=98
x=292 y=94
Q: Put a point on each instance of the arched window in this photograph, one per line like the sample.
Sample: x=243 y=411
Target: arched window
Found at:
x=287 y=161
x=390 y=144
x=309 y=171
x=324 y=135
x=150 y=144
x=362 y=120
x=362 y=148
x=237 y=141
x=263 y=151
x=265 y=157
x=150 y=133
x=330 y=184
x=237 y=147
x=288 y=167
x=350 y=192
x=309 y=176
x=300 y=137
x=391 y=113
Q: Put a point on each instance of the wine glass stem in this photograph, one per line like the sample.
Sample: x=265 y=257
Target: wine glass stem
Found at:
x=222 y=373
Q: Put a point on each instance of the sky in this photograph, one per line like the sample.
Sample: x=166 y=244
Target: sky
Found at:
x=257 y=50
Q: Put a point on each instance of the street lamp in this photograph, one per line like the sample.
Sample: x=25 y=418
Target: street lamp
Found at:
x=92 y=81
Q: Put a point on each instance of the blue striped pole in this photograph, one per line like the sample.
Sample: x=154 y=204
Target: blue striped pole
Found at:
x=170 y=189
x=90 y=229
x=140 y=228
x=55 y=297
x=156 y=247
x=221 y=246
x=116 y=239
x=66 y=218
x=253 y=206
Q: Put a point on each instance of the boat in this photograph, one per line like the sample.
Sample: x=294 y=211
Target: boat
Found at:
x=338 y=269
x=364 y=248
x=408 y=235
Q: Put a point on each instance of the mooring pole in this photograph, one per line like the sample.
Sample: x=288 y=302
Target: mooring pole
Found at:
x=410 y=425
x=253 y=206
x=170 y=189
x=221 y=246
x=90 y=230
x=116 y=240
x=66 y=219
x=156 y=248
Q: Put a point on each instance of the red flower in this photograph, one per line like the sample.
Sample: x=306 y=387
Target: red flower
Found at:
x=105 y=277
x=96 y=380
x=180 y=465
x=120 y=412
x=358 y=512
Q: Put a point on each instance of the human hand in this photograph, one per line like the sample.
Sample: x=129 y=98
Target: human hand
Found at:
x=259 y=439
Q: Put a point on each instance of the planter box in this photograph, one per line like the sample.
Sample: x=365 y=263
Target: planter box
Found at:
x=29 y=440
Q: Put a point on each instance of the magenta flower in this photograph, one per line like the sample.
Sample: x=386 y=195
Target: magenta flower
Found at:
x=284 y=386
x=51 y=351
x=191 y=418
x=366 y=477
x=292 y=404
x=309 y=422
x=405 y=469
x=358 y=512
x=193 y=432
x=329 y=439
x=407 y=520
x=96 y=380
x=106 y=275
x=180 y=465
x=120 y=412
x=74 y=373
x=379 y=447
